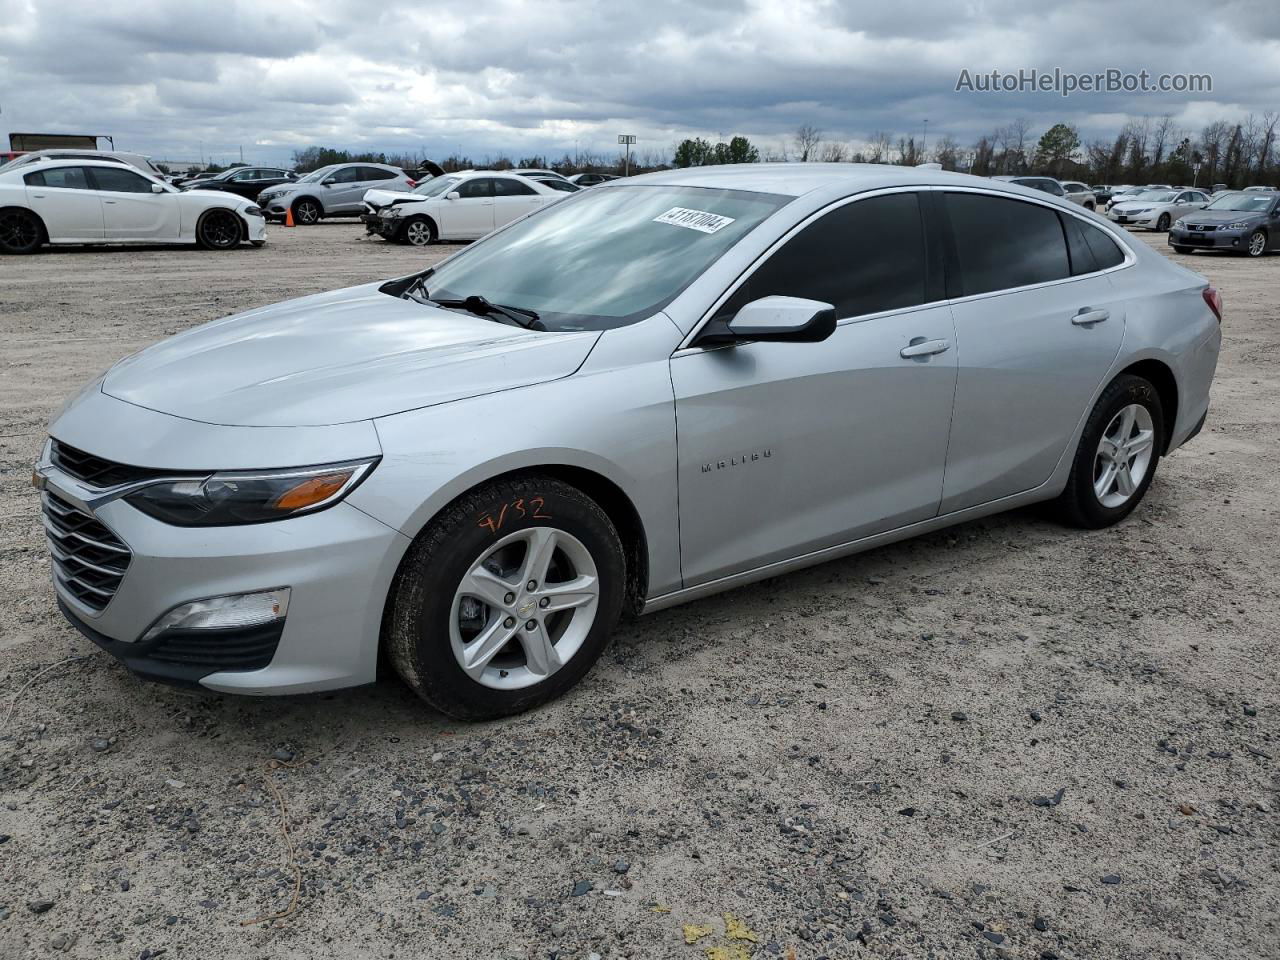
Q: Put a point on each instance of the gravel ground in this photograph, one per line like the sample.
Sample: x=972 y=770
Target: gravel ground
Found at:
x=1007 y=739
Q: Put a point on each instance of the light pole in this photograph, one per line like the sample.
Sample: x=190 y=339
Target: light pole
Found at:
x=628 y=139
x=924 y=144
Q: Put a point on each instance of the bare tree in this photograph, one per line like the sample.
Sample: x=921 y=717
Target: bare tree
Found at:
x=807 y=140
x=833 y=153
x=946 y=152
x=879 y=147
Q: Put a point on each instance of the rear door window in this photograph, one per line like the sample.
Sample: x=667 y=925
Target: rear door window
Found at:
x=1003 y=243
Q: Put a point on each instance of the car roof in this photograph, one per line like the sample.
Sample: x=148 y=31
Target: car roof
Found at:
x=797 y=179
x=72 y=162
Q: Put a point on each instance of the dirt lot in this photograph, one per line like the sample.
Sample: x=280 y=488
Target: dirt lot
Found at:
x=861 y=759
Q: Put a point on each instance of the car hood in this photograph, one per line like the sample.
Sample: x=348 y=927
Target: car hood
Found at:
x=1220 y=216
x=338 y=357
x=1125 y=206
x=380 y=197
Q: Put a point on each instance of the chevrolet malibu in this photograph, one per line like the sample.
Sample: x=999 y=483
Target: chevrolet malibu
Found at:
x=657 y=389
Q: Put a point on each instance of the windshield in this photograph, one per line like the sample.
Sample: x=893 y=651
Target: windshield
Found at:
x=421 y=188
x=435 y=186
x=316 y=175
x=1243 y=202
x=604 y=258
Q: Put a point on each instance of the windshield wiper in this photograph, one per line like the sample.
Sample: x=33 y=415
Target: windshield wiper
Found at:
x=483 y=308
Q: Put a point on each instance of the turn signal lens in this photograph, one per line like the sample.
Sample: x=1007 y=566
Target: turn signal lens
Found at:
x=312 y=491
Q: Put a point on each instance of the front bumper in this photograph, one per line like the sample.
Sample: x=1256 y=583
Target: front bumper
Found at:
x=338 y=563
x=256 y=227
x=1218 y=239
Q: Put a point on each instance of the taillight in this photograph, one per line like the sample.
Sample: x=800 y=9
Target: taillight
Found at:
x=1214 y=299
x=412 y=183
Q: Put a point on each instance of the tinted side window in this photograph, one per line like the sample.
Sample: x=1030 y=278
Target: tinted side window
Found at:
x=511 y=187
x=1082 y=258
x=66 y=178
x=377 y=173
x=1106 y=253
x=864 y=257
x=120 y=180
x=1002 y=243
x=346 y=175
x=478 y=187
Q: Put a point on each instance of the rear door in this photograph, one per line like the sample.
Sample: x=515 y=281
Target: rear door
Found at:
x=130 y=210
x=1038 y=326
x=66 y=201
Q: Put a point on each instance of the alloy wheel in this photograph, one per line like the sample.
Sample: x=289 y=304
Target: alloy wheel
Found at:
x=1123 y=456
x=220 y=230
x=1257 y=244
x=18 y=230
x=418 y=232
x=307 y=212
x=524 y=608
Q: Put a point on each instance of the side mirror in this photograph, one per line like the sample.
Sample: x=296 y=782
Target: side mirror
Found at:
x=157 y=188
x=328 y=183
x=780 y=319
x=453 y=195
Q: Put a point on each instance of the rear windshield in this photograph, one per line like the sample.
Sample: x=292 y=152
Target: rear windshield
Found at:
x=604 y=258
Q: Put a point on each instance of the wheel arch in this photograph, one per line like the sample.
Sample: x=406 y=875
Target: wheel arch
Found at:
x=1161 y=377
x=435 y=224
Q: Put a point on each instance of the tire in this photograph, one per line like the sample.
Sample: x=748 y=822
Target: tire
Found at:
x=1162 y=223
x=257 y=243
x=1089 y=206
x=1181 y=249
x=418 y=231
x=307 y=212
x=1080 y=503
x=434 y=624
x=20 y=231
x=1257 y=244
x=219 y=230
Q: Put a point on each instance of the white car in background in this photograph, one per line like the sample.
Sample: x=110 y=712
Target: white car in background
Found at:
x=457 y=206
x=70 y=153
x=95 y=201
x=1157 y=209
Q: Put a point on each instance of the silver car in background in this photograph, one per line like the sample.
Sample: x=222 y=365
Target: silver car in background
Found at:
x=1080 y=193
x=654 y=390
x=334 y=191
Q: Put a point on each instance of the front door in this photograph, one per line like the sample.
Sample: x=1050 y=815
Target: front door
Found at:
x=788 y=448
x=131 y=211
x=471 y=215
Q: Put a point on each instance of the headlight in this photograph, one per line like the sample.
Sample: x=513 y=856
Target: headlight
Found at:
x=253 y=211
x=1140 y=210
x=1238 y=225
x=225 y=499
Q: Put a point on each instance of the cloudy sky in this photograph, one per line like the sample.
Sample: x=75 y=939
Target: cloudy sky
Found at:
x=181 y=80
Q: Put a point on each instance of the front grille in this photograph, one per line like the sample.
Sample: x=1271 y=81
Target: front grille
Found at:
x=1207 y=228
x=96 y=471
x=89 y=560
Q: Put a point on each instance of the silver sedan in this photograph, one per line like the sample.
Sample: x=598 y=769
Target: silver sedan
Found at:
x=652 y=391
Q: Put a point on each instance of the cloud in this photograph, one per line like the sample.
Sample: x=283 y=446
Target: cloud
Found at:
x=494 y=76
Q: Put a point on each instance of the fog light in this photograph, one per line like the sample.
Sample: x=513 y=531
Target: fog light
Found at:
x=225 y=613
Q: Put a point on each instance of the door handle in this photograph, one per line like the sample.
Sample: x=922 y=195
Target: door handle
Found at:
x=1087 y=317
x=920 y=347
x=108 y=201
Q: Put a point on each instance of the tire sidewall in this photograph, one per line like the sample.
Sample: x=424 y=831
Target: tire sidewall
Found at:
x=1123 y=391
x=209 y=244
x=39 y=240
x=297 y=208
x=424 y=596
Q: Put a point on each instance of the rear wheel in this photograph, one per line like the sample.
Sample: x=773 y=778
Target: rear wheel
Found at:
x=20 y=231
x=418 y=231
x=306 y=212
x=1117 y=456
x=506 y=599
x=1257 y=243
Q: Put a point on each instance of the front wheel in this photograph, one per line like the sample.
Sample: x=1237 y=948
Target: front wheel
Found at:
x=1162 y=224
x=1257 y=244
x=20 y=232
x=306 y=212
x=218 y=230
x=506 y=599
x=418 y=231
x=1117 y=456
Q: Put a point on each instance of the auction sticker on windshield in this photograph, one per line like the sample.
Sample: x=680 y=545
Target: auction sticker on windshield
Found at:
x=699 y=220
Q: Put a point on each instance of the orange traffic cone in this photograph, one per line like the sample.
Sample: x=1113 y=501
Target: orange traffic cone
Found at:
x=288 y=217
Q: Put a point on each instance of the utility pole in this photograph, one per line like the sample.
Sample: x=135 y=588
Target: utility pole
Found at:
x=924 y=145
x=628 y=139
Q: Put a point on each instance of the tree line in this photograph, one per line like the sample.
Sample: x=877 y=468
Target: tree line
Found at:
x=1146 y=150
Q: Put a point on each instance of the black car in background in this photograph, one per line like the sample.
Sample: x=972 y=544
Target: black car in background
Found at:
x=1247 y=223
x=248 y=182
